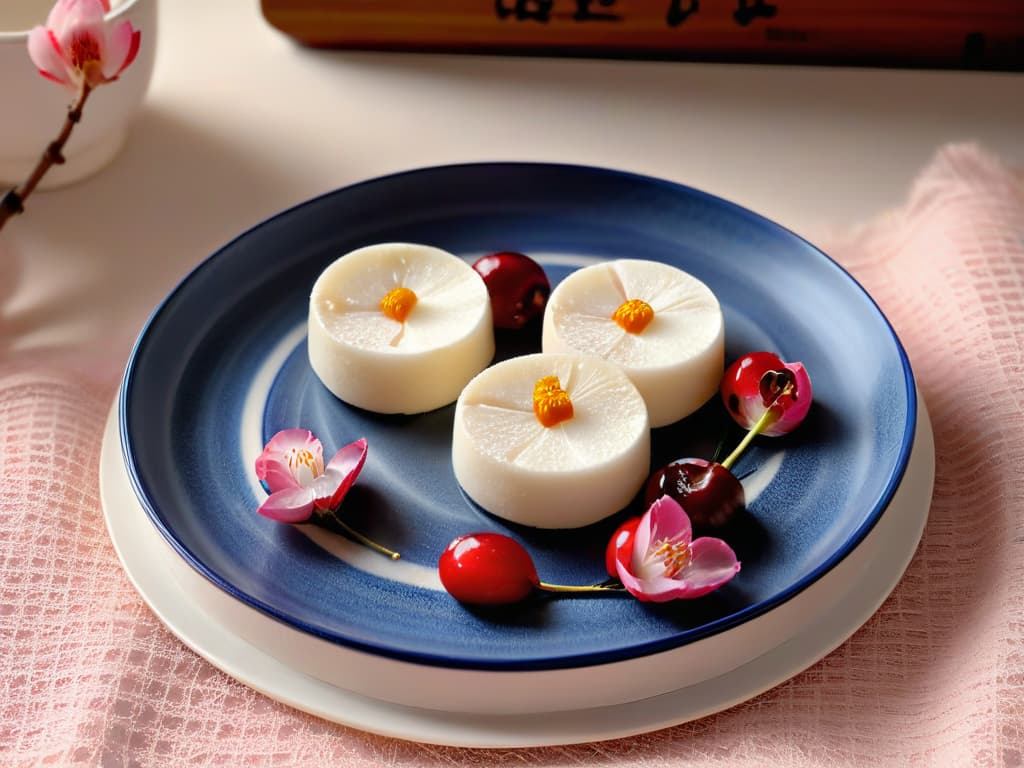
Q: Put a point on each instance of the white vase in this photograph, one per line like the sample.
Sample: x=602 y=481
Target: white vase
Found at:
x=33 y=109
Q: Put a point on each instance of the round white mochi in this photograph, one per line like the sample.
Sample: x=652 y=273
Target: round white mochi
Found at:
x=565 y=476
x=374 y=362
x=676 y=361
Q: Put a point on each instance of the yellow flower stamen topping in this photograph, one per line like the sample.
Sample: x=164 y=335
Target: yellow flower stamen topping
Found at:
x=633 y=315
x=551 y=403
x=398 y=303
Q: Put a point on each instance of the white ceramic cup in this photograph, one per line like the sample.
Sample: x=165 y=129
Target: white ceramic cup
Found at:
x=33 y=109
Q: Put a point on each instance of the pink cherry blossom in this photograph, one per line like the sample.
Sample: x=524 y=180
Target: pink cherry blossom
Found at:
x=292 y=469
x=78 y=47
x=665 y=563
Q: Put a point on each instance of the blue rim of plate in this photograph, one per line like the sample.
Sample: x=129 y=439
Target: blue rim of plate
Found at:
x=625 y=652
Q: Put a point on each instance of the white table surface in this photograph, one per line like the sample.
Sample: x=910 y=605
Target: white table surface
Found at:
x=240 y=123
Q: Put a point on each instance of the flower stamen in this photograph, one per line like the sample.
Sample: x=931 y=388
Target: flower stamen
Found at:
x=675 y=556
x=633 y=316
x=84 y=50
x=299 y=459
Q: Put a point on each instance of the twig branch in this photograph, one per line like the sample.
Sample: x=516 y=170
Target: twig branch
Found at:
x=13 y=202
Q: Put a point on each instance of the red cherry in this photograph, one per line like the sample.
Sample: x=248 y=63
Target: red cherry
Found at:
x=518 y=287
x=760 y=381
x=487 y=569
x=742 y=379
x=708 y=492
x=620 y=543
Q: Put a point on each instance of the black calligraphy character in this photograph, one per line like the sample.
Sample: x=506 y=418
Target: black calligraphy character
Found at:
x=538 y=10
x=745 y=14
x=677 y=14
x=583 y=12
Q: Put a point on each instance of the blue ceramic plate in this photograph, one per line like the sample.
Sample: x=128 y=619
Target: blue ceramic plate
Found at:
x=221 y=366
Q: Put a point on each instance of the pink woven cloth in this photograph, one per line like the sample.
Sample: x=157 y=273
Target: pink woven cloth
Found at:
x=89 y=676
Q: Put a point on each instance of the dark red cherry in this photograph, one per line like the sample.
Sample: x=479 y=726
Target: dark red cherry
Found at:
x=710 y=493
x=518 y=287
x=487 y=569
x=620 y=543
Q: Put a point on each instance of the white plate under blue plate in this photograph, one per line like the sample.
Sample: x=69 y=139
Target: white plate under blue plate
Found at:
x=221 y=366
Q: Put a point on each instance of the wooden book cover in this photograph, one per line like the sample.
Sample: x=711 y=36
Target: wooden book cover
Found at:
x=930 y=33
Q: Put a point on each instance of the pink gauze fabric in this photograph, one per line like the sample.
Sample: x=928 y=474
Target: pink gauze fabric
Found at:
x=936 y=677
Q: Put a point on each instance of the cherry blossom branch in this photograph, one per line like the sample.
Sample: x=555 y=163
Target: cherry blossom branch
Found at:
x=13 y=202
x=78 y=49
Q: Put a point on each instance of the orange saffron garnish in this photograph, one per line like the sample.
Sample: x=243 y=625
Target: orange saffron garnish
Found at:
x=551 y=403
x=398 y=303
x=633 y=315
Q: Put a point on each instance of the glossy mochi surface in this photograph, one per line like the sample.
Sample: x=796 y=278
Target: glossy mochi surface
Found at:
x=222 y=366
x=675 y=360
x=374 y=361
x=569 y=475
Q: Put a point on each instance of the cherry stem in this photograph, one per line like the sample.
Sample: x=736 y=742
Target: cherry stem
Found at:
x=587 y=588
x=366 y=541
x=766 y=418
x=12 y=203
x=721 y=445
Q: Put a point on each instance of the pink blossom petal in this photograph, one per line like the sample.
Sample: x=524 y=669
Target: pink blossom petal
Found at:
x=120 y=42
x=292 y=505
x=292 y=467
x=665 y=519
x=633 y=585
x=82 y=46
x=713 y=564
x=348 y=462
x=272 y=466
x=46 y=54
x=662 y=589
x=693 y=582
x=324 y=489
x=287 y=439
x=61 y=10
x=84 y=18
x=669 y=520
x=133 y=51
x=82 y=34
x=641 y=540
x=57 y=80
x=88 y=11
